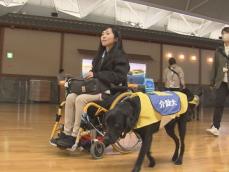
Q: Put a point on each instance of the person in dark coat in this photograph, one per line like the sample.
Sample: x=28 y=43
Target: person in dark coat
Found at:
x=111 y=67
x=220 y=81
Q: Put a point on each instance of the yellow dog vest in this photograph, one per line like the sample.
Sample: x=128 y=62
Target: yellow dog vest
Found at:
x=149 y=115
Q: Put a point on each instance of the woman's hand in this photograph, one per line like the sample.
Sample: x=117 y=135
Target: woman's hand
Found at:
x=89 y=75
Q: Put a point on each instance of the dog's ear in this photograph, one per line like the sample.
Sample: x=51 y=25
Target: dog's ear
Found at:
x=132 y=117
x=130 y=123
x=134 y=102
x=107 y=117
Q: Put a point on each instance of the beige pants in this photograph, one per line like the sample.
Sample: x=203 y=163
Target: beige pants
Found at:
x=74 y=110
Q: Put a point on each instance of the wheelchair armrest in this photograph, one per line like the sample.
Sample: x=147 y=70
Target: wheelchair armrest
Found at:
x=98 y=107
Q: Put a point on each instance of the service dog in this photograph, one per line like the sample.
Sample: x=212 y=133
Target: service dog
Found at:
x=195 y=106
x=127 y=116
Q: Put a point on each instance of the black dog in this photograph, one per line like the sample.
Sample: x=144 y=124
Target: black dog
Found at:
x=124 y=117
x=195 y=105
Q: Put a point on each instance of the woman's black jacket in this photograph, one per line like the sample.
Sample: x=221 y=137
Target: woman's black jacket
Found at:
x=112 y=70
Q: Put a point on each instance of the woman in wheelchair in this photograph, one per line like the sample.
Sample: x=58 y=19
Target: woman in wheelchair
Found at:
x=110 y=66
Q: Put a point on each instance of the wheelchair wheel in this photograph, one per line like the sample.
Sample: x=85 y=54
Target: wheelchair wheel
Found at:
x=128 y=144
x=97 y=149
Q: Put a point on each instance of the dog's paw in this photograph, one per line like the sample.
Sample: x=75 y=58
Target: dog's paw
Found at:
x=152 y=164
x=175 y=155
x=178 y=162
x=174 y=158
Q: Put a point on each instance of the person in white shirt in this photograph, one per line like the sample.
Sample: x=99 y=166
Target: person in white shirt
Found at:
x=173 y=76
x=220 y=81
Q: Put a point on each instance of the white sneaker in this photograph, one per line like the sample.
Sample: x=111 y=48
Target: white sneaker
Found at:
x=213 y=131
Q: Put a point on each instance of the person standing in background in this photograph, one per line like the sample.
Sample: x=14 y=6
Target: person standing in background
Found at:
x=61 y=76
x=60 y=83
x=173 y=76
x=220 y=81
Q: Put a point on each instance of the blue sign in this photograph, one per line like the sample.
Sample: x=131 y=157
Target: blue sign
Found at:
x=166 y=104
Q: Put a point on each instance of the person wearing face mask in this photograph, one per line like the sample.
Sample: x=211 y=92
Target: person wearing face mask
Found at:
x=111 y=67
x=220 y=81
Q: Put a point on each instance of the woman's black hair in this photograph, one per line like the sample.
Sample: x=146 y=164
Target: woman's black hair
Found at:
x=117 y=44
x=225 y=29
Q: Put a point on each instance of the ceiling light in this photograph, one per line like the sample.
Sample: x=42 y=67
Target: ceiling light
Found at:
x=209 y=59
x=181 y=56
x=169 y=55
x=193 y=58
